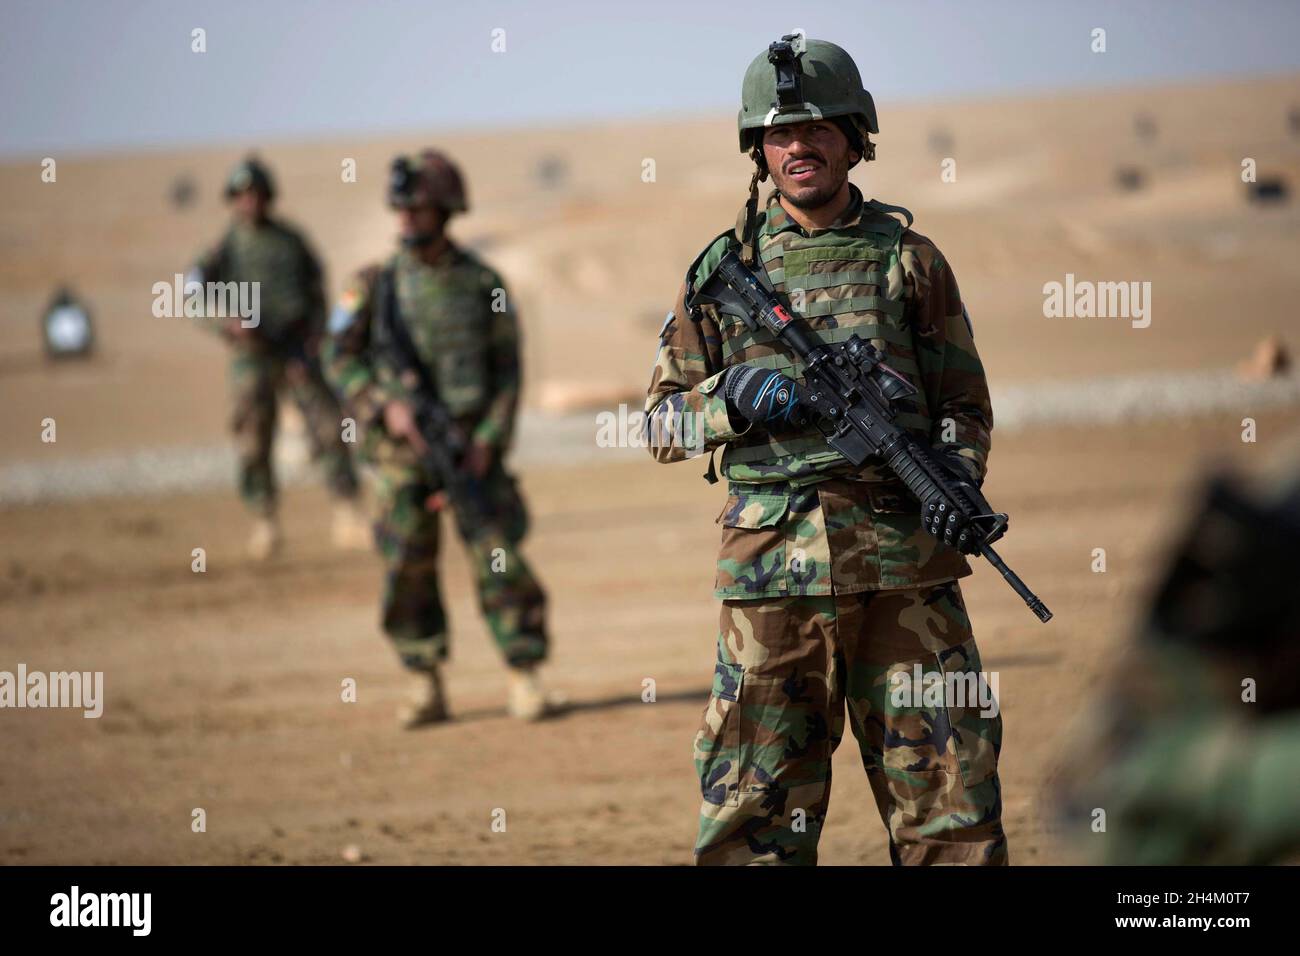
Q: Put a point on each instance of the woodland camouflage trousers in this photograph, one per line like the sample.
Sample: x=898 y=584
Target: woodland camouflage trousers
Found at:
x=407 y=534
x=255 y=380
x=787 y=670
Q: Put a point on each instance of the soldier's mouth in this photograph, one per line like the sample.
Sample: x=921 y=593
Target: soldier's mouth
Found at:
x=802 y=170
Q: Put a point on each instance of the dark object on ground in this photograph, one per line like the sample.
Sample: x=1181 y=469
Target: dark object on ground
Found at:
x=1144 y=125
x=182 y=192
x=1268 y=191
x=941 y=142
x=1129 y=178
x=552 y=172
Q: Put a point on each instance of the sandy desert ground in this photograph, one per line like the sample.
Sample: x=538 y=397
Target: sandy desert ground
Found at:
x=223 y=688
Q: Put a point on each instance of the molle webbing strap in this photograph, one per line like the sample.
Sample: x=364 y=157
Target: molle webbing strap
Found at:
x=861 y=303
x=826 y=280
x=863 y=253
x=775 y=449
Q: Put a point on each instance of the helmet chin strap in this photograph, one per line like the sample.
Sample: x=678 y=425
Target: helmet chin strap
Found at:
x=747 y=251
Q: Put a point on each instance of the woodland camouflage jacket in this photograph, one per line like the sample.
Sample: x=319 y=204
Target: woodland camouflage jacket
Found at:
x=798 y=520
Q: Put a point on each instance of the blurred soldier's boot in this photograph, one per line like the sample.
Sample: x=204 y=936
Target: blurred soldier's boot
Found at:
x=265 y=539
x=527 y=699
x=351 y=529
x=431 y=705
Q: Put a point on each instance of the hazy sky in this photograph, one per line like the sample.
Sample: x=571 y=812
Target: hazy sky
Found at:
x=88 y=74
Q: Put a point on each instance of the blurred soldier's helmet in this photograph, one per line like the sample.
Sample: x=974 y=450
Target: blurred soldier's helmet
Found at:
x=427 y=178
x=797 y=80
x=251 y=173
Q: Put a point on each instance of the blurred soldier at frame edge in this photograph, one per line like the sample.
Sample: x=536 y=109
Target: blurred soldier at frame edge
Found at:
x=1191 y=756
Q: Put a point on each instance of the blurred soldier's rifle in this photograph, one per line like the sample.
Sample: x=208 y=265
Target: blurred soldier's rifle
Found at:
x=445 y=441
x=853 y=394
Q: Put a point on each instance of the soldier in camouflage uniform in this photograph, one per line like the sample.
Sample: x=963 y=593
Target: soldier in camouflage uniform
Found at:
x=1192 y=755
x=832 y=580
x=280 y=351
x=460 y=322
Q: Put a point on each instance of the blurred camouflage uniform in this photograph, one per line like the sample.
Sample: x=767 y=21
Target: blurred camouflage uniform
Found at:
x=828 y=581
x=282 y=353
x=458 y=317
x=1187 y=766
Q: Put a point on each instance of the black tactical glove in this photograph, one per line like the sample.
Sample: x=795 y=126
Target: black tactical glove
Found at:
x=945 y=521
x=765 y=397
x=944 y=518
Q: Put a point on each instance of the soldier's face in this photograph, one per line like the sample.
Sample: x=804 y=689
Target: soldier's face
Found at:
x=420 y=221
x=249 y=206
x=809 y=162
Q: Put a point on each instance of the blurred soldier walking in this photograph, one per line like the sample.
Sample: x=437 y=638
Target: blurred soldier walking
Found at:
x=279 y=352
x=832 y=588
x=454 y=311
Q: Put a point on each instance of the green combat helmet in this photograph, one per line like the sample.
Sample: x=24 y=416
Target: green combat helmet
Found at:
x=428 y=178
x=798 y=81
x=250 y=174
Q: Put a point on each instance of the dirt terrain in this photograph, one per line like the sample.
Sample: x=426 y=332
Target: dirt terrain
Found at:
x=224 y=689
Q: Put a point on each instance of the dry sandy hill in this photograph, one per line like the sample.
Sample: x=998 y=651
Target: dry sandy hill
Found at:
x=595 y=261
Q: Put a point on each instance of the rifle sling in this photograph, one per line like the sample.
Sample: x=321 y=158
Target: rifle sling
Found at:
x=394 y=329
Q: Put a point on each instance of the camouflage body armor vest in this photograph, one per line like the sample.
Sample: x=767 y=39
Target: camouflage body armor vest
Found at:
x=845 y=281
x=447 y=313
x=273 y=257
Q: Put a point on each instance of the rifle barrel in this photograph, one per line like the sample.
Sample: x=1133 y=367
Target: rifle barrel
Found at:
x=1033 y=600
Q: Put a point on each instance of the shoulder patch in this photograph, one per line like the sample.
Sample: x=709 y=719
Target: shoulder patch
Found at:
x=668 y=322
x=345 y=312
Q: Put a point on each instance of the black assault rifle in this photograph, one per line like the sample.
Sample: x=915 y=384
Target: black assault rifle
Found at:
x=853 y=394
